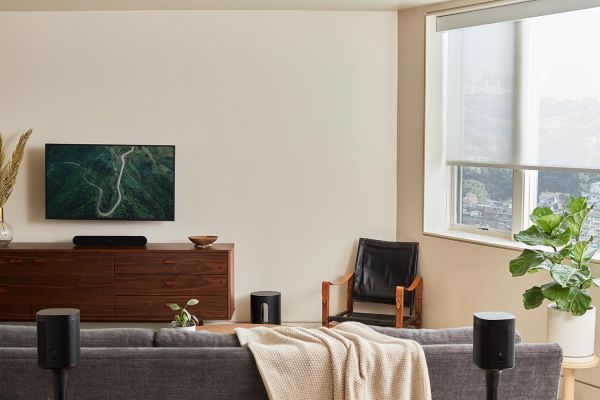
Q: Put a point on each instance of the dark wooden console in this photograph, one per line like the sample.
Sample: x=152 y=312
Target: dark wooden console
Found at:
x=115 y=284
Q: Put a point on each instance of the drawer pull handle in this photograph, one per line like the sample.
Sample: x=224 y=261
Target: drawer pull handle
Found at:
x=171 y=283
x=170 y=261
x=40 y=260
x=15 y=261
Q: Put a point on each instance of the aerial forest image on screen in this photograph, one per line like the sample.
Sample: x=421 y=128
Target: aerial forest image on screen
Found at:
x=110 y=182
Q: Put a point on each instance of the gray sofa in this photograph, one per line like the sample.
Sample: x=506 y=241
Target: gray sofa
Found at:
x=142 y=364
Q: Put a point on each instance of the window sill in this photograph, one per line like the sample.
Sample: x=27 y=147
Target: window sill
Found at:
x=491 y=241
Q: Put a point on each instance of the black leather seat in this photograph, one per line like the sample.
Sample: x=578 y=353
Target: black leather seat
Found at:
x=386 y=272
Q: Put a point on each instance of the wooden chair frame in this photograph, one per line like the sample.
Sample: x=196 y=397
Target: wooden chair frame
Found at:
x=416 y=286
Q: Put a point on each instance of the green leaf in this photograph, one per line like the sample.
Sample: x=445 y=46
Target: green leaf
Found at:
x=174 y=307
x=579 y=251
x=192 y=302
x=577 y=210
x=577 y=302
x=560 y=238
x=539 y=212
x=526 y=261
x=548 y=223
x=568 y=276
x=532 y=236
x=559 y=256
x=533 y=298
x=553 y=291
x=591 y=250
x=575 y=221
x=535 y=236
x=539 y=268
x=596 y=282
x=575 y=204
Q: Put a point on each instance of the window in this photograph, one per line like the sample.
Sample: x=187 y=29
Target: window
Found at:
x=512 y=114
x=485 y=198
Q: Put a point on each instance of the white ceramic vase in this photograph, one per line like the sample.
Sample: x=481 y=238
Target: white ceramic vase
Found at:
x=574 y=334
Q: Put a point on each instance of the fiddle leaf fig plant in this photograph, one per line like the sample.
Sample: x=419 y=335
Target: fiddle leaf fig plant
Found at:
x=183 y=318
x=559 y=250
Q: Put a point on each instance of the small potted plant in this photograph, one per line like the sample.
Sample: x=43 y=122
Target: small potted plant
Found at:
x=183 y=318
x=560 y=250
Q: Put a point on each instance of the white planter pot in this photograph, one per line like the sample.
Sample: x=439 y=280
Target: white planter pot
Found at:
x=574 y=334
x=187 y=328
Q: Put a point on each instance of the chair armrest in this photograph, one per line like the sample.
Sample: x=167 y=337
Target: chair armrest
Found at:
x=325 y=296
x=345 y=279
x=415 y=283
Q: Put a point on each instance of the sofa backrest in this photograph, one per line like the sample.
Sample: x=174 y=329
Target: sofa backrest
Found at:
x=426 y=337
x=231 y=373
x=26 y=336
x=181 y=338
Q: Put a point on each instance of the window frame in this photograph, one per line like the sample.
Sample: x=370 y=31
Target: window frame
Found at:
x=437 y=173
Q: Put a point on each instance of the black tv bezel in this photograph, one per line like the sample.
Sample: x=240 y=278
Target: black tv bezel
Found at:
x=98 y=218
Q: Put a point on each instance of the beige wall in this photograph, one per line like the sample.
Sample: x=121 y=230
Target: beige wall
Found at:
x=284 y=125
x=460 y=278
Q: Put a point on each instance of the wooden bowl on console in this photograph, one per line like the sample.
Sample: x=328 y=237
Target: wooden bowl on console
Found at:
x=203 y=241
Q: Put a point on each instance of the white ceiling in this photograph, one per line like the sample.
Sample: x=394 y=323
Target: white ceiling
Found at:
x=90 y=5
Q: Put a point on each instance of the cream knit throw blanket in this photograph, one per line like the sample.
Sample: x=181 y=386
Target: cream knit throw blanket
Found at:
x=348 y=362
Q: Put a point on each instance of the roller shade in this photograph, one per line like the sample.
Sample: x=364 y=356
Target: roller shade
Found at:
x=525 y=94
x=510 y=11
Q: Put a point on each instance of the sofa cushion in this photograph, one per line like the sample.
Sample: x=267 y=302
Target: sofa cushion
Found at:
x=169 y=337
x=435 y=336
x=25 y=336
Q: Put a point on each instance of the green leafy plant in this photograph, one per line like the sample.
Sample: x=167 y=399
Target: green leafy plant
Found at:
x=183 y=318
x=560 y=251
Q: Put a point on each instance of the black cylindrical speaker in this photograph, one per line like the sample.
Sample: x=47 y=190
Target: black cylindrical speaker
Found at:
x=58 y=338
x=265 y=308
x=494 y=340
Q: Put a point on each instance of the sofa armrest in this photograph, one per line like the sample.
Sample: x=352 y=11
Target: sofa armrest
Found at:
x=454 y=376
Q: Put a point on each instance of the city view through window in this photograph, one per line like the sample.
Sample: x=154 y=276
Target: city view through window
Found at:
x=486 y=195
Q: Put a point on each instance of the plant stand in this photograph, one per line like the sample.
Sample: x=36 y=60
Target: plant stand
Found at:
x=569 y=369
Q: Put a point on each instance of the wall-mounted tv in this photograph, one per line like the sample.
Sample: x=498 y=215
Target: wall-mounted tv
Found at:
x=113 y=182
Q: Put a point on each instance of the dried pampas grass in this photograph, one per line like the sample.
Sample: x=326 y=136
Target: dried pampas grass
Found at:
x=8 y=172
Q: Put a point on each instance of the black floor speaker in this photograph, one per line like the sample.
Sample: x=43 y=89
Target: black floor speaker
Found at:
x=110 y=241
x=493 y=346
x=265 y=307
x=58 y=344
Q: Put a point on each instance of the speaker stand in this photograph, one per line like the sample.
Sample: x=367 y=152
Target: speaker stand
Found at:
x=59 y=376
x=492 y=383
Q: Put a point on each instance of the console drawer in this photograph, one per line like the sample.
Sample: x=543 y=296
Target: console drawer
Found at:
x=14 y=287
x=153 y=308
x=166 y=263
x=69 y=280
x=187 y=285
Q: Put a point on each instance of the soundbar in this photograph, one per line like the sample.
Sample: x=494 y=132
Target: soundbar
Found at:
x=110 y=241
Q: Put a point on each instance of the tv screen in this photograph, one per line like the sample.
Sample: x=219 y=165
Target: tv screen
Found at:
x=117 y=182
